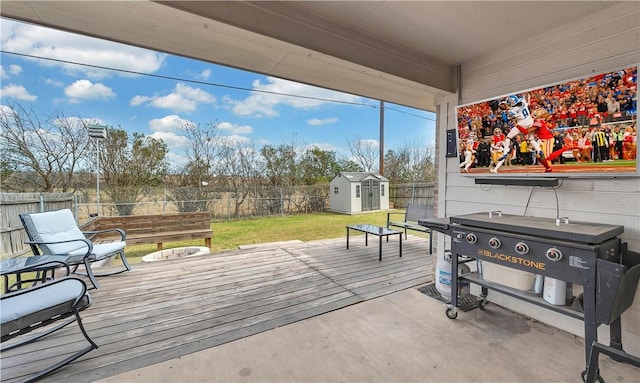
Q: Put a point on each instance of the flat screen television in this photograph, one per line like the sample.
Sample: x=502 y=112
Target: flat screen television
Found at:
x=591 y=130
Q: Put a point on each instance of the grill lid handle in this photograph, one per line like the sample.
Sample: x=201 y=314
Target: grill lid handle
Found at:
x=499 y=212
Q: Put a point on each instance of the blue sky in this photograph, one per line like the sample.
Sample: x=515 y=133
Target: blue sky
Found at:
x=158 y=106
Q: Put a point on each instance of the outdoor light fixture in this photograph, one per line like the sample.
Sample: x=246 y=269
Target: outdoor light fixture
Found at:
x=97 y=132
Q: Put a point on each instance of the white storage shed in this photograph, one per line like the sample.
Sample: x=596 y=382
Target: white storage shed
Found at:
x=353 y=192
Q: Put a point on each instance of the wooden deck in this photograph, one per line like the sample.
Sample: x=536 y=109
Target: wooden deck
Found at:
x=168 y=309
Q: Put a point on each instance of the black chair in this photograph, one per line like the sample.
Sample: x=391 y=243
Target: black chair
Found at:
x=56 y=232
x=46 y=307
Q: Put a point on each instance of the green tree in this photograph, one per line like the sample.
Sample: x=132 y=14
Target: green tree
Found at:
x=283 y=173
x=318 y=166
x=280 y=164
x=129 y=165
x=347 y=165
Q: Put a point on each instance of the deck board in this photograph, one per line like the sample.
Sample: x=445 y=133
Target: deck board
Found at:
x=169 y=309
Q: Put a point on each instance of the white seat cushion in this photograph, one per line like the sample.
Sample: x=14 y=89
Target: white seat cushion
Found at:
x=55 y=226
x=39 y=299
x=102 y=250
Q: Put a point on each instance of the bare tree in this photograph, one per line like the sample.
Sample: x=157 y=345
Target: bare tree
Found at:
x=41 y=152
x=284 y=171
x=204 y=143
x=193 y=192
x=240 y=167
x=412 y=162
x=365 y=153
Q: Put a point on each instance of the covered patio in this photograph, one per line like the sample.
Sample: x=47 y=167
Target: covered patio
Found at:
x=302 y=312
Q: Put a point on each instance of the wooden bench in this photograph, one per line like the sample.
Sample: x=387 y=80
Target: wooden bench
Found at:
x=410 y=218
x=155 y=228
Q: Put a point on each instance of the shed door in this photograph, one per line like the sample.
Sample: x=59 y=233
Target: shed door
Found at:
x=370 y=195
x=375 y=195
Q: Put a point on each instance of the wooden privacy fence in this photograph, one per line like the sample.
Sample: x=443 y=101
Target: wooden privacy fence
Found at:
x=12 y=235
x=421 y=193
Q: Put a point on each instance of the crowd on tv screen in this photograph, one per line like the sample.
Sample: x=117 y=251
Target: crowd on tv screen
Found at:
x=594 y=118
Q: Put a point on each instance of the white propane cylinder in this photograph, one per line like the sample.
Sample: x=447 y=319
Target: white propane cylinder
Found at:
x=443 y=277
x=555 y=291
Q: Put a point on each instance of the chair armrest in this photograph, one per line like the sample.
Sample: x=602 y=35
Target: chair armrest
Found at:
x=86 y=241
x=44 y=265
x=389 y=213
x=94 y=232
x=8 y=268
x=22 y=267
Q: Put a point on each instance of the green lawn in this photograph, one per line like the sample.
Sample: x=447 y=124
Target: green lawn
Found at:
x=228 y=235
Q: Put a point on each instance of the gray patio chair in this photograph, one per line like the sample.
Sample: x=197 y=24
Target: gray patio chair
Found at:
x=56 y=232
x=41 y=307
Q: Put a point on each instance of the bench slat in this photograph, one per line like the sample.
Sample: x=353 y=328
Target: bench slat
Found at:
x=156 y=228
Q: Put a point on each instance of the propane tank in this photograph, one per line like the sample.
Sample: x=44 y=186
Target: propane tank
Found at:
x=443 y=277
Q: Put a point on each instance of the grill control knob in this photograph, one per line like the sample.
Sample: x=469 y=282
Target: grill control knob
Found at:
x=495 y=243
x=471 y=238
x=554 y=254
x=522 y=248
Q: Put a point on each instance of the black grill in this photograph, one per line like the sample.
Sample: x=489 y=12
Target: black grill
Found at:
x=588 y=254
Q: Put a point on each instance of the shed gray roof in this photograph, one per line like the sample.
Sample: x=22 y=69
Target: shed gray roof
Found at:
x=359 y=176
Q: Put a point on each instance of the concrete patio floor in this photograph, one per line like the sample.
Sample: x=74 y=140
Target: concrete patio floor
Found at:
x=400 y=337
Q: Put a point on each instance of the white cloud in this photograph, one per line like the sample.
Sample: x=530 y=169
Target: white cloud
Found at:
x=235 y=129
x=205 y=74
x=6 y=111
x=139 y=100
x=18 y=92
x=369 y=143
x=326 y=146
x=86 y=90
x=260 y=104
x=184 y=98
x=176 y=161
x=78 y=122
x=174 y=102
x=13 y=70
x=254 y=106
x=50 y=43
x=171 y=123
x=233 y=140
x=175 y=143
x=54 y=82
x=195 y=94
x=324 y=121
